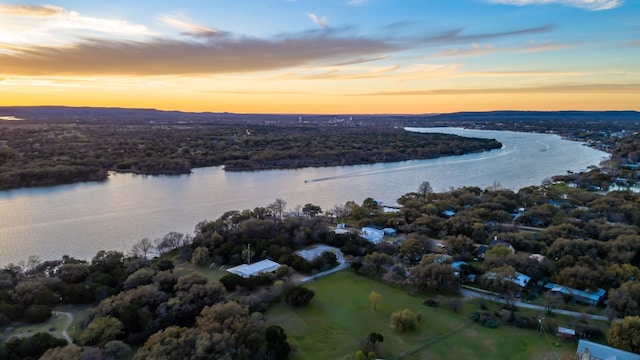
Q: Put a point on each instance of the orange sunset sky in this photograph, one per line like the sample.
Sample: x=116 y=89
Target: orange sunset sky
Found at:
x=324 y=56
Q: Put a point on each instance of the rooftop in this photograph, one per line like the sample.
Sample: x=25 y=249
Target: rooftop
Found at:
x=247 y=270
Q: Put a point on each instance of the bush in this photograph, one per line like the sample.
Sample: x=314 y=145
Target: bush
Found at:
x=37 y=313
x=404 y=320
x=430 y=302
x=490 y=323
x=475 y=316
x=33 y=347
x=298 y=295
x=12 y=311
x=231 y=281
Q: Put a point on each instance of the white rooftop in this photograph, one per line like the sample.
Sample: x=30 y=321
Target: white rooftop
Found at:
x=247 y=270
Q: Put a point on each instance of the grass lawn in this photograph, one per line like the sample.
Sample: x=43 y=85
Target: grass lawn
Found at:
x=340 y=316
x=213 y=274
x=54 y=325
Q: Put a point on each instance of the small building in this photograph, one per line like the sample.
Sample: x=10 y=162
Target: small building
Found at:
x=247 y=270
x=458 y=268
x=390 y=231
x=588 y=350
x=448 y=213
x=566 y=333
x=372 y=235
x=521 y=280
x=538 y=257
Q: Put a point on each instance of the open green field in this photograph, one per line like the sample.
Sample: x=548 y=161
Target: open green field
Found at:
x=340 y=316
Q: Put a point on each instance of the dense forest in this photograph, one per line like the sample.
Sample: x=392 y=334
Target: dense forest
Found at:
x=50 y=154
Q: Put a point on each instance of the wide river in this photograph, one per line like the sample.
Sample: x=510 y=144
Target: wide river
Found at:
x=81 y=219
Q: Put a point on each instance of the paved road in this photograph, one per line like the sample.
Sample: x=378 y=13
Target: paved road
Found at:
x=66 y=326
x=467 y=292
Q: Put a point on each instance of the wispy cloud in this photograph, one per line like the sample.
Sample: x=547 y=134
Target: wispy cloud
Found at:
x=356 y=2
x=114 y=47
x=189 y=28
x=31 y=10
x=162 y=56
x=457 y=35
x=593 y=5
x=554 y=88
x=477 y=49
x=320 y=21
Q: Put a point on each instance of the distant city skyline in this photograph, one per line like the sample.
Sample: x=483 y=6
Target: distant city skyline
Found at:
x=323 y=56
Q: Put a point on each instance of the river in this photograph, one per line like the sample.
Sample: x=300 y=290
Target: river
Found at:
x=81 y=219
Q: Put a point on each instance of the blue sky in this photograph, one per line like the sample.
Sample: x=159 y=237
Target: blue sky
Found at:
x=329 y=56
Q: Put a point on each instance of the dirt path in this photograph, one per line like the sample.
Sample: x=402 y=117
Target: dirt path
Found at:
x=66 y=326
x=470 y=292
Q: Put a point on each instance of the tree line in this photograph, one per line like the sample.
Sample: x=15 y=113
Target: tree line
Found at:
x=51 y=154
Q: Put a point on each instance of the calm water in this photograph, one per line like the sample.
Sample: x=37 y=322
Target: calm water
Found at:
x=81 y=219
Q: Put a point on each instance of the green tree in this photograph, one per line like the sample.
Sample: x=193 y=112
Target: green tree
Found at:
x=173 y=342
x=625 y=334
x=298 y=295
x=404 y=320
x=625 y=298
x=411 y=250
x=227 y=331
x=433 y=275
x=311 y=210
x=375 y=298
x=424 y=190
x=116 y=349
x=277 y=347
x=31 y=347
x=101 y=330
x=68 y=352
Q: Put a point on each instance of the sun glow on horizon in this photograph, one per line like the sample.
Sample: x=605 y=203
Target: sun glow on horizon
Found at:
x=182 y=59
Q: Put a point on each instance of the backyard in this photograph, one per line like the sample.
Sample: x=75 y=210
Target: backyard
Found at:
x=340 y=317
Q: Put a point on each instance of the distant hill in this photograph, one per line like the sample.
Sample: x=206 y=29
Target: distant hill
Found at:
x=561 y=119
x=539 y=115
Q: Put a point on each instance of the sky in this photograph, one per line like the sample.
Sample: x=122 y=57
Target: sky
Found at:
x=322 y=56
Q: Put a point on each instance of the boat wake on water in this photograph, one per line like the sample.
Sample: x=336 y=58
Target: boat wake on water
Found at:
x=501 y=153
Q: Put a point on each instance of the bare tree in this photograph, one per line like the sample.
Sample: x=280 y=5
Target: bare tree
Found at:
x=278 y=207
x=340 y=212
x=142 y=248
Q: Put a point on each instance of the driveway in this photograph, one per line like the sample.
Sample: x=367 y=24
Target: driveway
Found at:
x=66 y=325
x=319 y=249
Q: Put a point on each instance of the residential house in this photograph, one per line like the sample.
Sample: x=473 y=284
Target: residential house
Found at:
x=496 y=242
x=372 y=235
x=586 y=297
x=588 y=350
